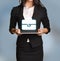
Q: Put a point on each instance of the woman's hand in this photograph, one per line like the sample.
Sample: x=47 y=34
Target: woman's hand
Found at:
x=16 y=31
x=42 y=31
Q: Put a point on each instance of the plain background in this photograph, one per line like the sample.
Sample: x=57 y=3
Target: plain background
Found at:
x=51 y=41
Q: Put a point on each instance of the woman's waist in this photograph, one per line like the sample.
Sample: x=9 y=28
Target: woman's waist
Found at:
x=29 y=36
x=33 y=40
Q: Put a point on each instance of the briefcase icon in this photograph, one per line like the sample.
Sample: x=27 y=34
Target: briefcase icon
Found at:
x=28 y=25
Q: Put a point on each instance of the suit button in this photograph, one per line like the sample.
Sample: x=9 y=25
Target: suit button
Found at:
x=28 y=40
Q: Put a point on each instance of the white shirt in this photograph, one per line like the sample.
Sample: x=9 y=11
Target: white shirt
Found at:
x=28 y=13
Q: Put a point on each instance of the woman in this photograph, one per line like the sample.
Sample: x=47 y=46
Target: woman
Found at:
x=29 y=47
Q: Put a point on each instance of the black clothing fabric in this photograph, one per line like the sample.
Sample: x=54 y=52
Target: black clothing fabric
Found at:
x=27 y=53
x=40 y=14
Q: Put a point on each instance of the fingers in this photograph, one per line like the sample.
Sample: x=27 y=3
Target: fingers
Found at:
x=18 y=31
x=40 y=32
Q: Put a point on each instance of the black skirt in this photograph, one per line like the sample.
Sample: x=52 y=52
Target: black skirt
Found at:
x=27 y=53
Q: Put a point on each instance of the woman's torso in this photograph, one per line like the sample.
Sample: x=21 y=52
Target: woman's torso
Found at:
x=35 y=40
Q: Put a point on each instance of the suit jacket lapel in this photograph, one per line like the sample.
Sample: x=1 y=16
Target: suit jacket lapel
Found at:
x=21 y=11
x=35 y=13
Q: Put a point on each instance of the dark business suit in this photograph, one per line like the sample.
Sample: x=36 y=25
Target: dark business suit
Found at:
x=40 y=14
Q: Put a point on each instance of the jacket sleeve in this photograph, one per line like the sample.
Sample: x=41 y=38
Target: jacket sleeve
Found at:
x=13 y=20
x=45 y=20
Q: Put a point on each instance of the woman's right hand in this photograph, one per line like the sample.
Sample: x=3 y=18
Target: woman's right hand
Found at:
x=16 y=31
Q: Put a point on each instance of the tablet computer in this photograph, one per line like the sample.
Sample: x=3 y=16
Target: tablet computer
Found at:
x=28 y=26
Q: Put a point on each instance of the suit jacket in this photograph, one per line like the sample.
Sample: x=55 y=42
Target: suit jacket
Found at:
x=40 y=14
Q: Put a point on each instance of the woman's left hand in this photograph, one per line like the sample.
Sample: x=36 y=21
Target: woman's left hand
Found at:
x=40 y=32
